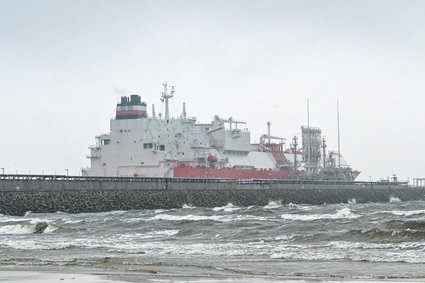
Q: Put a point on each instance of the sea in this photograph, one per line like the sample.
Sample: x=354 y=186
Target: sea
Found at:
x=276 y=242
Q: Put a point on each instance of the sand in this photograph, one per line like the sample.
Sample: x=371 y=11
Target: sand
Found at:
x=49 y=277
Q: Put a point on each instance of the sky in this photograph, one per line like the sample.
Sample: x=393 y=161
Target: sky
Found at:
x=65 y=64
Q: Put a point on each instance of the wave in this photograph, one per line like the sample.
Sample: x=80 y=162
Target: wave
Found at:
x=404 y=234
x=414 y=225
x=73 y=221
x=188 y=217
x=188 y=206
x=340 y=214
x=147 y=235
x=284 y=238
x=227 y=208
x=215 y=218
x=344 y=251
x=273 y=204
x=394 y=199
x=402 y=212
x=298 y=253
x=36 y=228
x=376 y=246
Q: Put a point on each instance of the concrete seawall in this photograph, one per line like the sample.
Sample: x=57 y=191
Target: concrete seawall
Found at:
x=19 y=196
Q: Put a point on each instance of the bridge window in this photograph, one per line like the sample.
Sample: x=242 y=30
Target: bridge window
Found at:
x=162 y=147
x=147 y=146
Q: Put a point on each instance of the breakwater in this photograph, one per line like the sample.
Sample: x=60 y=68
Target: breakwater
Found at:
x=19 y=193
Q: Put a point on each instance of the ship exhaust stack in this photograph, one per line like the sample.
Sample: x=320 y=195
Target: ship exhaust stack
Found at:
x=131 y=108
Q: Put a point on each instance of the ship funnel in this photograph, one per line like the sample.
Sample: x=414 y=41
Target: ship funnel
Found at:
x=131 y=108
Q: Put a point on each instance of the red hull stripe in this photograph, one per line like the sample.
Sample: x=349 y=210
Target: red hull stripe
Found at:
x=201 y=173
x=131 y=112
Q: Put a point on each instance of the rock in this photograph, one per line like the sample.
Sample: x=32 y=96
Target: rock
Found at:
x=40 y=227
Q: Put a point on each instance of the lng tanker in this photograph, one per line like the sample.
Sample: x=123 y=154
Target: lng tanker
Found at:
x=142 y=145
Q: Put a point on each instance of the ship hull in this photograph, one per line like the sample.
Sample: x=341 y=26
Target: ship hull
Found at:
x=228 y=173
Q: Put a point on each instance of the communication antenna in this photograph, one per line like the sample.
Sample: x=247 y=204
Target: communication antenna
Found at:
x=324 y=152
x=308 y=114
x=308 y=140
x=339 y=140
x=268 y=130
x=153 y=111
x=184 y=110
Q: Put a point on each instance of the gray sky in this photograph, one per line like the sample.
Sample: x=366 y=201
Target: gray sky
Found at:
x=64 y=65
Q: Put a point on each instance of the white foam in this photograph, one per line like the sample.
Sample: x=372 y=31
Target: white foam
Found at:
x=310 y=254
x=19 y=229
x=38 y=220
x=378 y=246
x=402 y=212
x=394 y=199
x=188 y=217
x=216 y=218
x=148 y=235
x=340 y=214
x=50 y=229
x=73 y=221
x=352 y=201
x=167 y=233
x=299 y=206
x=227 y=208
x=13 y=219
x=273 y=204
x=188 y=206
x=284 y=237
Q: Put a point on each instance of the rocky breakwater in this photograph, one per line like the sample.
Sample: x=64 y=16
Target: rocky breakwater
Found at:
x=19 y=196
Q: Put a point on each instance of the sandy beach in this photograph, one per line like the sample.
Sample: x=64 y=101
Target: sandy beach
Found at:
x=50 y=277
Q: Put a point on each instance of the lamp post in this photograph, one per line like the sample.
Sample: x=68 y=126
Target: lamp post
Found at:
x=67 y=172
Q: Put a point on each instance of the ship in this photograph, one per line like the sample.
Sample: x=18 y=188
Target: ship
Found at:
x=142 y=145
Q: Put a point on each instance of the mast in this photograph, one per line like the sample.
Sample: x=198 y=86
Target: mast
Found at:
x=308 y=114
x=184 y=110
x=153 y=111
x=324 y=152
x=165 y=97
x=308 y=141
x=339 y=141
x=295 y=143
x=268 y=130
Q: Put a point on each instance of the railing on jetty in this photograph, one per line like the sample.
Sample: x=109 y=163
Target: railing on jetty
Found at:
x=190 y=180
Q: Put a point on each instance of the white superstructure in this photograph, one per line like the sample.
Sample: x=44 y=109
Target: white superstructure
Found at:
x=156 y=146
x=139 y=145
